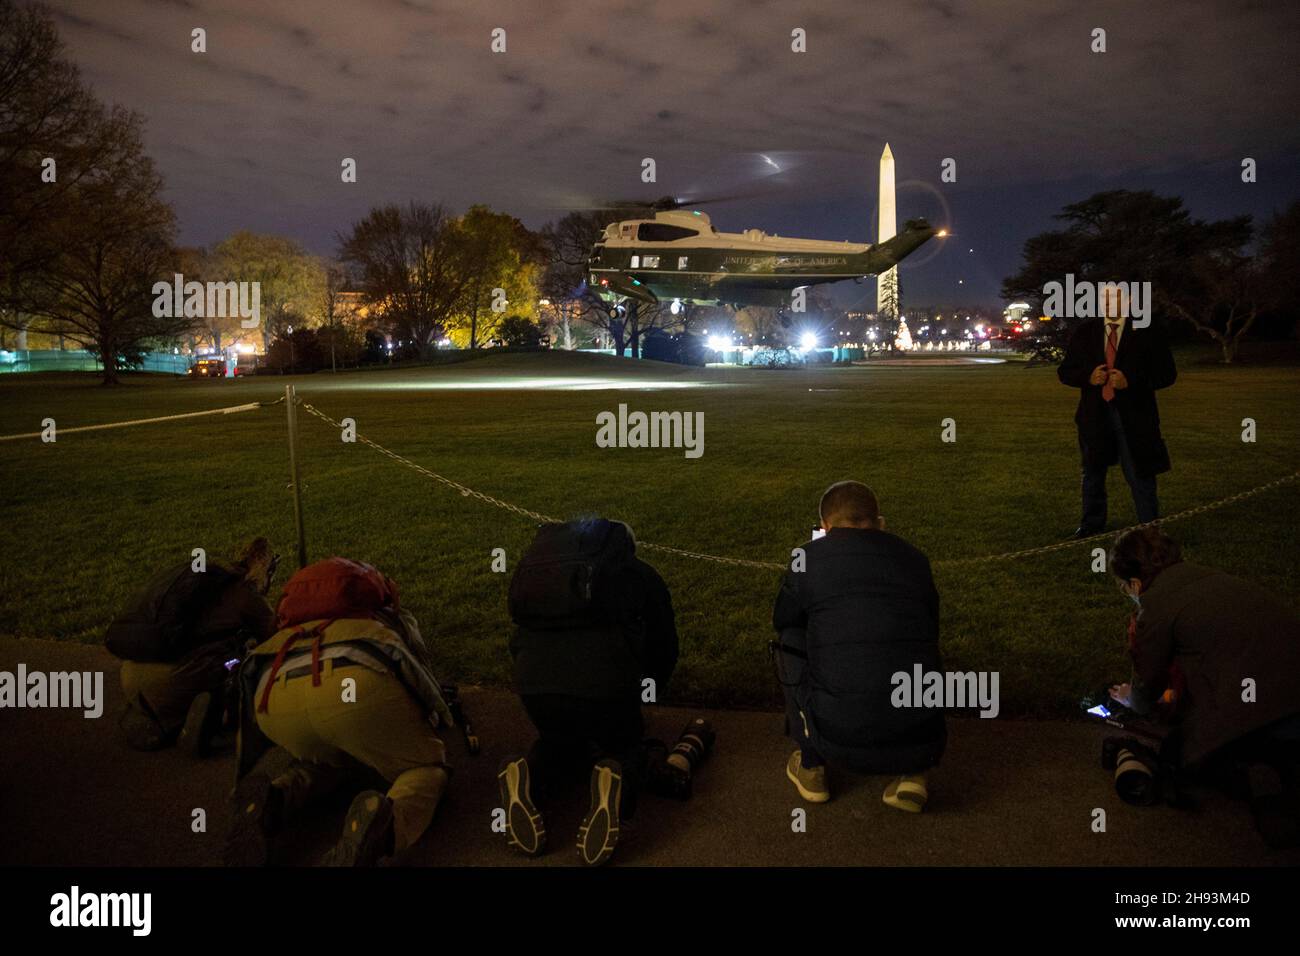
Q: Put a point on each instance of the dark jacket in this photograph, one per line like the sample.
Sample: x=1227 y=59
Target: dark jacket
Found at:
x=1148 y=365
x=864 y=608
x=607 y=659
x=1218 y=630
x=228 y=611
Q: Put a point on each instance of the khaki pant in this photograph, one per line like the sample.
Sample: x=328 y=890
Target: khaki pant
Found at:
x=383 y=728
x=167 y=691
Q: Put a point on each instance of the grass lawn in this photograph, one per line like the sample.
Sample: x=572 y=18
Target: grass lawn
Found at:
x=87 y=519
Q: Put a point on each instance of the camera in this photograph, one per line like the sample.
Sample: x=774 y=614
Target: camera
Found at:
x=671 y=771
x=1136 y=767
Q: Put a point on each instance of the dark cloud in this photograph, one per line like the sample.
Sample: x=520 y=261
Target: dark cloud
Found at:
x=589 y=87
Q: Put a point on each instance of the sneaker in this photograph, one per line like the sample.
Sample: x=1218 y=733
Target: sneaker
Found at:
x=598 y=834
x=809 y=781
x=258 y=812
x=907 y=793
x=524 y=826
x=367 y=832
x=196 y=736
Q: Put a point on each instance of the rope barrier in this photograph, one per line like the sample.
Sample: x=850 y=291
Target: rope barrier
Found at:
x=468 y=492
x=228 y=410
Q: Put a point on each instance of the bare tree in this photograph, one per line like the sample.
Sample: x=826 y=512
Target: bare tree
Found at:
x=408 y=263
x=568 y=243
x=111 y=241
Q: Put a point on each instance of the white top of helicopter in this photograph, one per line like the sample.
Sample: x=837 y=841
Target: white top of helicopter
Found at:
x=707 y=237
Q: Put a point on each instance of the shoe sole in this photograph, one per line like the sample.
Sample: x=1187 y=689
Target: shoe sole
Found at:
x=598 y=834
x=365 y=829
x=811 y=796
x=907 y=797
x=524 y=825
x=249 y=843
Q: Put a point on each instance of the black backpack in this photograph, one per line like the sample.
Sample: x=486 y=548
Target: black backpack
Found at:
x=561 y=581
x=158 y=623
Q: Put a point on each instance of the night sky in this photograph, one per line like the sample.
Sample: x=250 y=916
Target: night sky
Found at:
x=251 y=133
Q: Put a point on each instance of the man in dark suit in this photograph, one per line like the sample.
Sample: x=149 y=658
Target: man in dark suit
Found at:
x=1118 y=369
x=862 y=610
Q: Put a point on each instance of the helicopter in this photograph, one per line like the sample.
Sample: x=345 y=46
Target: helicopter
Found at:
x=678 y=256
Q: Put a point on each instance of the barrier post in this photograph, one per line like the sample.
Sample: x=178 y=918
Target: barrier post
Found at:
x=291 y=409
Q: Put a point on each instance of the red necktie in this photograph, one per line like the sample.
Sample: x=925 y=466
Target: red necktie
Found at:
x=1107 y=392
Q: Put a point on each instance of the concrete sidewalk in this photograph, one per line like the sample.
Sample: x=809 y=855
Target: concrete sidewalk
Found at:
x=1009 y=792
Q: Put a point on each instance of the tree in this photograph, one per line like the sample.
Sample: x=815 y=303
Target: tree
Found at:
x=409 y=266
x=289 y=280
x=111 y=241
x=1124 y=236
x=519 y=332
x=568 y=245
x=1226 y=300
x=496 y=252
x=53 y=137
x=296 y=350
x=338 y=331
x=1279 y=271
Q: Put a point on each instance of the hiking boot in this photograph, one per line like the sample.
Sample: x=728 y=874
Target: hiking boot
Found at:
x=598 y=834
x=524 y=825
x=201 y=722
x=258 y=813
x=367 y=832
x=809 y=781
x=907 y=793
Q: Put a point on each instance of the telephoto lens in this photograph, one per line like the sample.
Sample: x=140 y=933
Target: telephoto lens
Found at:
x=1134 y=781
x=692 y=746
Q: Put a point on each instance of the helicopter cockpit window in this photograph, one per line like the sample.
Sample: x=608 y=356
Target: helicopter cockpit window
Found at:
x=662 y=232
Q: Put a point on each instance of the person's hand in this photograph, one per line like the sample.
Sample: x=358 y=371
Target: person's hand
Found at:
x=1122 y=694
x=1117 y=379
x=1098 y=376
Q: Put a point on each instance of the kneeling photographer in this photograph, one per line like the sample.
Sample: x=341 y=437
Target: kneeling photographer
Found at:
x=1216 y=664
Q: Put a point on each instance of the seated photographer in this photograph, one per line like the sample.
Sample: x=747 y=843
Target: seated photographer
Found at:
x=864 y=608
x=179 y=639
x=1220 y=658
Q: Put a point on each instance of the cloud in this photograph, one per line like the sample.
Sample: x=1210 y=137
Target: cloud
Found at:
x=411 y=89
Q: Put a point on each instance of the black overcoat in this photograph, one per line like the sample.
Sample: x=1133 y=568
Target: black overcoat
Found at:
x=1144 y=358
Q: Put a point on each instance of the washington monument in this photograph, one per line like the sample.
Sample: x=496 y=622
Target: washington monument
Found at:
x=887 y=301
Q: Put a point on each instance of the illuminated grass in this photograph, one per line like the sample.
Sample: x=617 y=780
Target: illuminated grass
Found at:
x=87 y=519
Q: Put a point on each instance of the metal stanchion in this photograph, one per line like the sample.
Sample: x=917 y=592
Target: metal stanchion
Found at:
x=291 y=409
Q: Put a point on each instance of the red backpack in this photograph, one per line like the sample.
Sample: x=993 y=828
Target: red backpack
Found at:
x=332 y=589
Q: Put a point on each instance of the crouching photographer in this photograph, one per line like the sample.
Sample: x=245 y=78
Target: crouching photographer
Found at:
x=1216 y=682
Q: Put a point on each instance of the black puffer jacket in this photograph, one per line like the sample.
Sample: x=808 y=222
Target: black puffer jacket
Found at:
x=864 y=608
